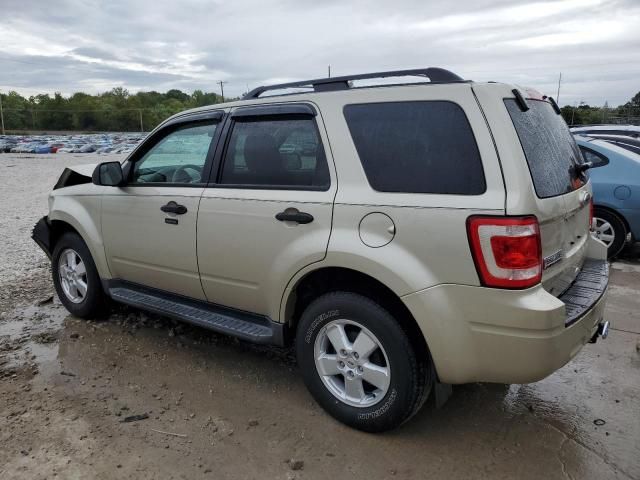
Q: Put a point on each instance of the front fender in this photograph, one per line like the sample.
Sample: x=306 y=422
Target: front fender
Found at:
x=82 y=212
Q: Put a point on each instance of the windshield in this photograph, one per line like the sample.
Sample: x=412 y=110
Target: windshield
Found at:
x=551 y=151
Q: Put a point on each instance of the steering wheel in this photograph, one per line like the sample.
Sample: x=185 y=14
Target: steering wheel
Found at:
x=187 y=174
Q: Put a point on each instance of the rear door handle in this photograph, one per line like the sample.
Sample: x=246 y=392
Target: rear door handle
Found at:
x=173 y=207
x=294 y=215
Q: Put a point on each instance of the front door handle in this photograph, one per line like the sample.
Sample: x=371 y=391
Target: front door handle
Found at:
x=173 y=207
x=294 y=215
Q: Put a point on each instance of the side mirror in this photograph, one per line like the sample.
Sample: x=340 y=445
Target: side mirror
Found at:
x=108 y=174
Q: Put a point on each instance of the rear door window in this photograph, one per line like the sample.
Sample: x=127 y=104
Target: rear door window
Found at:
x=416 y=147
x=272 y=152
x=551 y=151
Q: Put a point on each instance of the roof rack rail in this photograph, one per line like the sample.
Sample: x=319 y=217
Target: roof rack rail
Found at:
x=435 y=75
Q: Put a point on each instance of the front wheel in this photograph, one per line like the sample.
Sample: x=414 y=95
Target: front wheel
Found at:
x=359 y=364
x=610 y=229
x=76 y=278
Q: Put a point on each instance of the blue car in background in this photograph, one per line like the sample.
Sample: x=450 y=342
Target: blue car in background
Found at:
x=615 y=176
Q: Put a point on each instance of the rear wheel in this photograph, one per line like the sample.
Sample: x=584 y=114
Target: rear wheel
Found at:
x=359 y=364
x=610 y=229
x=75 y=277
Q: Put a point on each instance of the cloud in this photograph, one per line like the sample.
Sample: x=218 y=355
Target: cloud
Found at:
x=93 y=45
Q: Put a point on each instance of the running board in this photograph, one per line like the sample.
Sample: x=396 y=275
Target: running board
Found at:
x=247 y=326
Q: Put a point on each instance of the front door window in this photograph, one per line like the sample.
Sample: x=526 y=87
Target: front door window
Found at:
x=178 y=157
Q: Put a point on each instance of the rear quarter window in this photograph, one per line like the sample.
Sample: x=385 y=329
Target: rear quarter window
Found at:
x=416 y=147
x=549 y=147
x=596 y=159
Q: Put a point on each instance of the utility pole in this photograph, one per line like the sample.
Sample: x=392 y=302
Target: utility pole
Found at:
x=558 y=94
x=221 y=83
x=1 y=115
x=329 y=71
x=141 y=125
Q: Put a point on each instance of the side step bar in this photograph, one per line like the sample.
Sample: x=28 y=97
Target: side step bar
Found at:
x=247 y=326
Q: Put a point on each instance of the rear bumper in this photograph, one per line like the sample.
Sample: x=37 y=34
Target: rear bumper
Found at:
x=480 y=334
x=585 y=291
x=41 y=234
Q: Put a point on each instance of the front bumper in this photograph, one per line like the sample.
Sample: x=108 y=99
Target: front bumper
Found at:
x=41 y=234
x=478 y=334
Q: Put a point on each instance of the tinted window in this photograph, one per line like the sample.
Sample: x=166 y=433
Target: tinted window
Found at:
x=551 y=151
x=178 y=157
x=274 y=152
x=597 y=159
x=416 y=147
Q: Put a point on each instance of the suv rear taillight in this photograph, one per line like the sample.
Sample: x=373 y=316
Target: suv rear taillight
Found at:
x=506 y=250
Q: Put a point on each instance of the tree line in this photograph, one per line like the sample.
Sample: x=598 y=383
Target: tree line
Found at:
x=120 y=111
x=585 y=114
x=113 y=111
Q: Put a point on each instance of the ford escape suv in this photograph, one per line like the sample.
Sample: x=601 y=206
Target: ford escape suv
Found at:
x=404 y=237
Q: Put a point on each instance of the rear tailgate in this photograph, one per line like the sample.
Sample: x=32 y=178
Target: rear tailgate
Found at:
x=539 y=158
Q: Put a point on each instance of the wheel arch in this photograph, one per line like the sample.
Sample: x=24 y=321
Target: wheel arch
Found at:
x=333 y=278
x=81 y=222
x=615 y=212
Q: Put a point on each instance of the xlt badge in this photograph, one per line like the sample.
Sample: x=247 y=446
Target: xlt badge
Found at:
x=551 y=259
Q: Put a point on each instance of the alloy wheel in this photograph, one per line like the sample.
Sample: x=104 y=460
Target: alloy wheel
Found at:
x=73 y=275
x=603 y=231
x=352 y=363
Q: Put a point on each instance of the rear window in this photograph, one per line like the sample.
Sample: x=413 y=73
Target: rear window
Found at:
x=552 y=153
x=416 y=147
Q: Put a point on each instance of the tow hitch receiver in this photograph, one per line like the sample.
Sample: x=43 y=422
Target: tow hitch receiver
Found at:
x=603 y=331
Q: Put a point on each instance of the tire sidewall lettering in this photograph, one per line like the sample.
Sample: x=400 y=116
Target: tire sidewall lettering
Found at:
x=380 y=410
x=322 y=318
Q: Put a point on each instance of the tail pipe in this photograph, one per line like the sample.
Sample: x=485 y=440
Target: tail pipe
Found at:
x=602 y=331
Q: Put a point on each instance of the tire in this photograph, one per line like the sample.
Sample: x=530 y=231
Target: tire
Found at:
x=607 y=223
x=92 y=302
x=410 y=376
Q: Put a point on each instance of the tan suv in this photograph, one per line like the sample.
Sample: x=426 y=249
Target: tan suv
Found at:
x=406 y=237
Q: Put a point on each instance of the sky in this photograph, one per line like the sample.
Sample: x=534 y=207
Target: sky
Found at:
x=95 y=45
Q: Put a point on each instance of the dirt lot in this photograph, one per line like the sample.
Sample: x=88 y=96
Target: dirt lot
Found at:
x=219 y=408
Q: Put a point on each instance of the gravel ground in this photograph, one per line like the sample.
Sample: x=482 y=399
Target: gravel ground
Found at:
x=25 y=182
x=214 y=407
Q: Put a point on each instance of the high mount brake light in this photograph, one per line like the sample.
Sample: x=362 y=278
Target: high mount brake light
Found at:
x=506 y=250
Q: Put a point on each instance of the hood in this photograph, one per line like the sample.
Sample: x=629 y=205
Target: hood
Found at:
x=85 y=170
x=75 y=175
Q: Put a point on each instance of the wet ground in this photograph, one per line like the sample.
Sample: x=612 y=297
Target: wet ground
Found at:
x=219 y=408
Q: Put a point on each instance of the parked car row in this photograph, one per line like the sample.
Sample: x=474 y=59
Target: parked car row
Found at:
x=83 y=143
x=615 y=175
x=614 y=152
